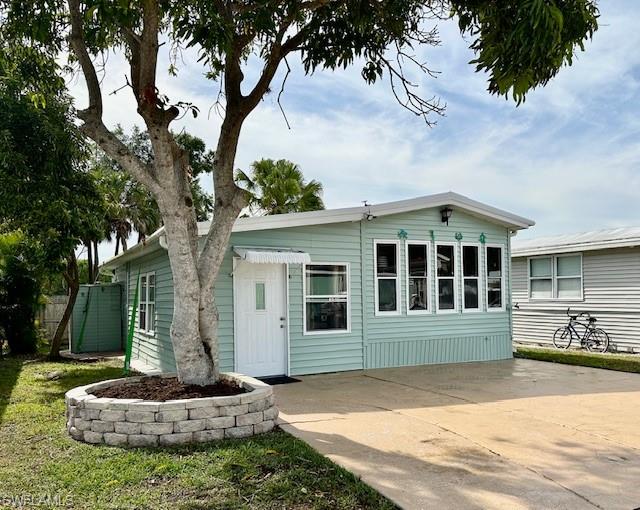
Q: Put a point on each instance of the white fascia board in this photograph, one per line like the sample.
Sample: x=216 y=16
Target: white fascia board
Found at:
x=358 y=213
x=151 y=244
x=347 y=214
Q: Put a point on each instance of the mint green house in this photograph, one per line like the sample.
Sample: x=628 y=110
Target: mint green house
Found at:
x=418 y=281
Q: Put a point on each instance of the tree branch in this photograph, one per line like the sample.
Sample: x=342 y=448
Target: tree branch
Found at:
x=76 y=40
x=93 y=126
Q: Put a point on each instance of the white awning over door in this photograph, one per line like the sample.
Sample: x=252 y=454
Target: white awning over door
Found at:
x=272 y=255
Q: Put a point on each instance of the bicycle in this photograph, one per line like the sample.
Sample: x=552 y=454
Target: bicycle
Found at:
x=594 y=339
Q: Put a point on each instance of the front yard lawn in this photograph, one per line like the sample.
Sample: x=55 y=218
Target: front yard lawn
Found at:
x=609 y=361
x=42 y=467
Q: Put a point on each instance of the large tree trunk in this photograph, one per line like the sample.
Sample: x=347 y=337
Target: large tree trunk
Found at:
x=73 y=281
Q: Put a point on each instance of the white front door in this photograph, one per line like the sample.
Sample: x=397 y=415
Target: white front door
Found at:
x=260 y=319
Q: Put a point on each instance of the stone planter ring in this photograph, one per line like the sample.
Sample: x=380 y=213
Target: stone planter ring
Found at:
x=138 y=423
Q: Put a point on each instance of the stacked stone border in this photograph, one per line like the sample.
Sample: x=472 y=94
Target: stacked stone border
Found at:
x=143 y=423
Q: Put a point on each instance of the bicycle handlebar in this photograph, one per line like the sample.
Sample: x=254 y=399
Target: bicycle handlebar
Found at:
x=580 y=314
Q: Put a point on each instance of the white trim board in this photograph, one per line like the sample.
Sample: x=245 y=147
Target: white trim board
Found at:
x=348 y=214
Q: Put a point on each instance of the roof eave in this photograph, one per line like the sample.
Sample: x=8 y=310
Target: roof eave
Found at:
x=151 y=244
x=576 y=247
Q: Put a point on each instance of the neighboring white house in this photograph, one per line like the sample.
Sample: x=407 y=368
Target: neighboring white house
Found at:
x=596 y=272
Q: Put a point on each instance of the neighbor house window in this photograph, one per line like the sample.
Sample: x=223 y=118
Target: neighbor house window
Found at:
x=446 y=277
x=555 y=277
x=326 y=298
x=471 y=277
x=495 y=278
x=417 y=277
x=541 y=277
x=147 y=302
x=387 y=291
x=569 y=277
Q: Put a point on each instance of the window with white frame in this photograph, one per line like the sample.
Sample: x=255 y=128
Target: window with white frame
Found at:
x=494 y=263
x=147 y=302
x=417 y=277
x=471 y=277
x=326 y=298
x=555 y=277
x=541 y=278
x=569 y=276
x=446 y=276
x=387 y=291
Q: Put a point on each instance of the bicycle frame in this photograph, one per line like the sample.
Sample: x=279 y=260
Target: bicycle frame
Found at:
x=588 y=327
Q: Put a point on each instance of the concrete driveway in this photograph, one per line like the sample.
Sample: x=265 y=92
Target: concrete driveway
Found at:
x=508 y=434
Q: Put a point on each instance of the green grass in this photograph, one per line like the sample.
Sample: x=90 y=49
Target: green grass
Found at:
x=609 y=361
x=39 y=460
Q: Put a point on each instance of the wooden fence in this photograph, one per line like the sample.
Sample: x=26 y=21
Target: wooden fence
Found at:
x=50 y=314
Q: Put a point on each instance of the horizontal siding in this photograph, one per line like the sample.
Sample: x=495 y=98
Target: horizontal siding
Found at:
x=417 y=339
x=324 y=243
x=611 y=288
x=372 y=341
x=153 y=350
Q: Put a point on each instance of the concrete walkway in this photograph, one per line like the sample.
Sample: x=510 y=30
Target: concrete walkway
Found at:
x=509 y=434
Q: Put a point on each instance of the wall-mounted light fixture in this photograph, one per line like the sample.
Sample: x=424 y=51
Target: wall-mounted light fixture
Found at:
x=445 y=214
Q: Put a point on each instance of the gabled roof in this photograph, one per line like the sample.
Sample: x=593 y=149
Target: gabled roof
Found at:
x=357 y=213
x=347 y=214
x=583 y=241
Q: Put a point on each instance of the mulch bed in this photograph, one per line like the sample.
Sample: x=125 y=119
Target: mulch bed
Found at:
x=161 y=389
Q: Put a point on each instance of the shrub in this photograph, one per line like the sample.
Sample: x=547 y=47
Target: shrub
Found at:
x=19 y=295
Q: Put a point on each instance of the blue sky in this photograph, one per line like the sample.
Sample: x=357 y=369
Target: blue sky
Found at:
x=569 y=158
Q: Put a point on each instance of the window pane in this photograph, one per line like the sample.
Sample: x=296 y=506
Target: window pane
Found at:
x=569 y=287
x=471 y=300
x=418 y=294
x=446 y=300
x=142 y=316
x=417 y=260
x=470 y=260
x=260 y=296
x=569 y=266
x=151 y=314
x=386 y=259
x=540 y=267
x=143 y=289
x=494 y=293
x=494 y=262
x=446 y=261
x=152 y=279
x=387 y=296
x=541 y=288
x=152 y=292
x=325 y=280
x=326 y=315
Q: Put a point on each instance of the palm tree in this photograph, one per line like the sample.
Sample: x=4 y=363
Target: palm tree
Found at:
x=278 y=187
x=128 y=207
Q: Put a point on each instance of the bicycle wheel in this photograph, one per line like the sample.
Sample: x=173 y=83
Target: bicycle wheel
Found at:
x=597 y=340
x=562 y=338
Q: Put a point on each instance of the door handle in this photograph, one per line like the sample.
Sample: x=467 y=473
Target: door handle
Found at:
x=283 y=318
